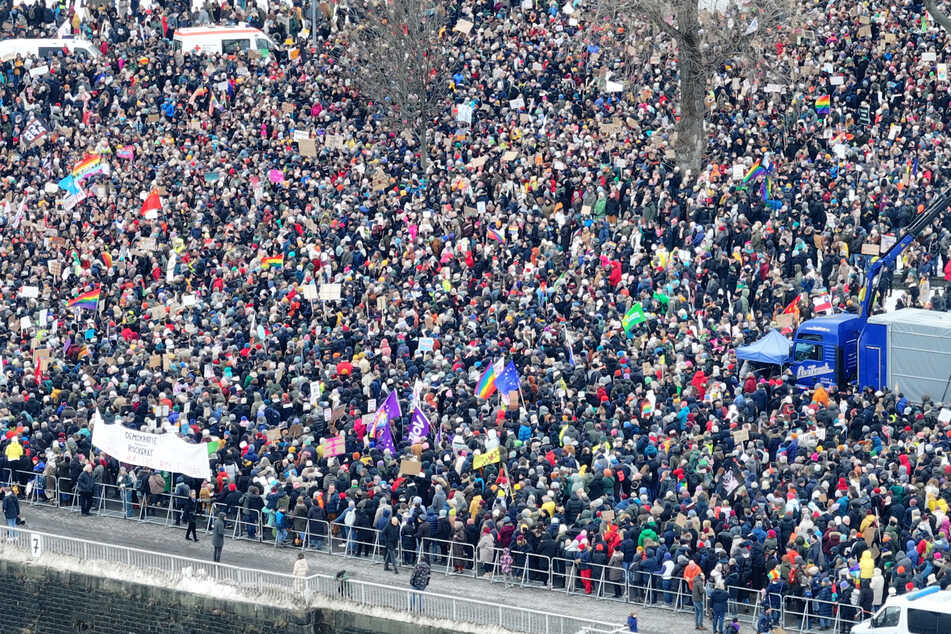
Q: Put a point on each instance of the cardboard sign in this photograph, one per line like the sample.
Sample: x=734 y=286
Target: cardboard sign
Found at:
x=607 y=516
x=329 y=292
x=426 y=344
x=786 y=320
x=273 y=435
x=410 y=467
x=869 y=248
x=307 y=147
x=30 y=292
x=334 y=446
x=155 y=360
x=296 y=430
x=39 y=71
x=334 y=141
x=741 y=435
x=287 y=107
x=463 y=26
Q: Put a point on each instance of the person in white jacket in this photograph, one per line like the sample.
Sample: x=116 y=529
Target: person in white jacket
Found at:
x=877 y=584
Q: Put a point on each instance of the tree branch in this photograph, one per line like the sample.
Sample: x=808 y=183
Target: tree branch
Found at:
x=938 y=15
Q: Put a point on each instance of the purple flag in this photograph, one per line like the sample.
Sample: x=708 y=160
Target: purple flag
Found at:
x=381 y=434
x=418 y=428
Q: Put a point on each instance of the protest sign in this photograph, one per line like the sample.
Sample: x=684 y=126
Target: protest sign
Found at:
x=163 y=452
x=410 y=467
x=487 y=458
x=329 y=292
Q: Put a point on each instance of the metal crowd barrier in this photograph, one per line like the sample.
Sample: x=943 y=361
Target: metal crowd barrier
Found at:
x=796 y=614
x=273 y=586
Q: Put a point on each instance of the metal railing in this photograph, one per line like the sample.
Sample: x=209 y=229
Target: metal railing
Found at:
x=561 y=574
x=279 y=588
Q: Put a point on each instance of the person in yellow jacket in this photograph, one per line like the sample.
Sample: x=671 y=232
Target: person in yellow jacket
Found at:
x=866 y=565
x=14 y=449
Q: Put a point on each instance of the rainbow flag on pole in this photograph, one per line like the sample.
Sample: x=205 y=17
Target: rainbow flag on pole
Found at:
x=495 y=235
x=274 y=260
x=823 y=104
x=486 y=386
x=88 y=300
x=89 y=166
x=755 y=170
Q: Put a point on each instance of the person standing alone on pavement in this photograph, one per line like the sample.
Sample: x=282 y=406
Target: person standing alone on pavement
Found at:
x=189 y=506
x=218 y=536
x=86 y=486
x=391 y=539
x=11 y=511
x=419 y=580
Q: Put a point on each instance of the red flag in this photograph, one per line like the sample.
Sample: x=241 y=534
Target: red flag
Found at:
x=151 y=206
x=39 y=371
x=793 y=306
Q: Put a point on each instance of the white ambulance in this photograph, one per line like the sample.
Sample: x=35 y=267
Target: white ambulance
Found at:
x=228 y=40
x=926 y=611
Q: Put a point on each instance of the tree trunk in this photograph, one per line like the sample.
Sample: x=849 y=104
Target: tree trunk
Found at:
x=422 y=135
x=691 y=141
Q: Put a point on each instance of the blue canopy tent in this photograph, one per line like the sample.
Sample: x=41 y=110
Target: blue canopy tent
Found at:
x=772 y=349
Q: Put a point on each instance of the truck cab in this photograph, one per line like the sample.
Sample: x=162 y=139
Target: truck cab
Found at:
x=825 y=350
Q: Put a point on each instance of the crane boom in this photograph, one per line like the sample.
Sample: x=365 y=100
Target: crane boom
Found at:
x=936 y=208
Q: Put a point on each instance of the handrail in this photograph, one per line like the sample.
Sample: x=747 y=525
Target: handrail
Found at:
x=478 y=612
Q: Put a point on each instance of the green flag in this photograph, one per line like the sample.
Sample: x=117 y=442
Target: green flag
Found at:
x=663 y=299
x=635 y=315
x=212 y=447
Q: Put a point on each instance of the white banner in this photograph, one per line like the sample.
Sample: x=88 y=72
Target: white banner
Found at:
x=163 y=452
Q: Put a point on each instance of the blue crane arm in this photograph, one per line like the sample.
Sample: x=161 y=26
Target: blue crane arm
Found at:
x=938 y=206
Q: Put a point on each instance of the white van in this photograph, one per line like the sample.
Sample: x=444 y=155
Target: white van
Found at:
x=222 y=39
x=46 y=47
x=926 y=611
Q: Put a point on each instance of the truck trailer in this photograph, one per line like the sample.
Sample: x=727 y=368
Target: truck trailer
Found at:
x=908 y=350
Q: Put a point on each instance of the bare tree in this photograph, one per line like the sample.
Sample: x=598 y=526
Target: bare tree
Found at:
x=939 y=16
x=707 y=34
x=400 y=62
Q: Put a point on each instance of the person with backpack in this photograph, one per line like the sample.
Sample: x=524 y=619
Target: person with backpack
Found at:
x=419 y=580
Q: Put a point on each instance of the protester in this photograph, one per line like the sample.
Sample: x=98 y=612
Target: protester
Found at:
x=11 y=512
x=218 y=536
x=182 y=293
x=419 y=580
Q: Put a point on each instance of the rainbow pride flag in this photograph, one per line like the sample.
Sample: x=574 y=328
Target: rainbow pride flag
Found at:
x=495 y=235
x=755 y=170
x=823 y=104
x=486 y=386
x=87 y=167
x=88 y=300
x=274 y=260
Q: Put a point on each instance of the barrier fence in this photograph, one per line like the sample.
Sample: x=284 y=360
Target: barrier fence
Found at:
x=280 y=587
x=560 y=574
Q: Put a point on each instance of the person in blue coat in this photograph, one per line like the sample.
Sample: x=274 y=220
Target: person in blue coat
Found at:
x=718 y=603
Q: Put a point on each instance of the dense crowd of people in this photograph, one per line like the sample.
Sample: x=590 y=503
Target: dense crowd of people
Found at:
x=619 y=449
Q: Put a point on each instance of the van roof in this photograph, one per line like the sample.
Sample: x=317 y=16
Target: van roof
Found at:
x=45 y=41
x=192 y=31
x=930 y=598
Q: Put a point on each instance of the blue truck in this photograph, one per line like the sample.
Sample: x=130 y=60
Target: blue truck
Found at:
x=908 y=350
